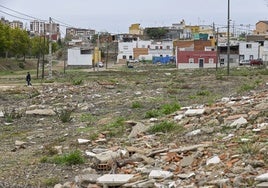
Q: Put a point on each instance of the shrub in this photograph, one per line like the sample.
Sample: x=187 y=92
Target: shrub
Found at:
x=249 y=148
x=64 y=114
x=203 y=93
x=246 y=87
x=164 y=127
x=89 y=118
x=72 y=158
x=170 y=108
x=11 y=113
x=152 y=113
x=51 y=181
x=136 y=104
x=116 y=128
x=77 y=82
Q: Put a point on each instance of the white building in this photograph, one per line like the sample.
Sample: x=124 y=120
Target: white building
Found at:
x=161 y=49
x=139 y=49
x=80 y=57
x=249 y=50
x=125 y=50
x=37 y=27
x=264 y=51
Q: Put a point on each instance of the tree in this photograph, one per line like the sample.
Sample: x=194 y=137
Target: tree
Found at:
x=20 y=43
x=156 y=33
x=5 y=39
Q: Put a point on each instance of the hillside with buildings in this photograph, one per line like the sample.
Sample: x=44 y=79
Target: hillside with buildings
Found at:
x=190 y=46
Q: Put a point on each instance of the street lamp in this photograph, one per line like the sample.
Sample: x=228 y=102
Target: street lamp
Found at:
x=228 y=39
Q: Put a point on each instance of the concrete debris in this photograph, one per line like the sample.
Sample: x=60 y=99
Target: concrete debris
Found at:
x=218 y=145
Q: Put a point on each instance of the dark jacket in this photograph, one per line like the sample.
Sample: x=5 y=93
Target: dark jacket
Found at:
x=28 y=77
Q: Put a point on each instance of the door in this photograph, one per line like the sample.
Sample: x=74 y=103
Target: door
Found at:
x=201 y=63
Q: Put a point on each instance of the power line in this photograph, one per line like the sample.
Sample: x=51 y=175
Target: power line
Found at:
x=21 y=13
x=62 y=23
x=14 y=16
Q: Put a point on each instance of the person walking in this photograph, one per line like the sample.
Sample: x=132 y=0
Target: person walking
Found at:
x=28 y=79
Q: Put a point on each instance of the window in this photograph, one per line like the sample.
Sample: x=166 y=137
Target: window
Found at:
x=85 y=51
x=161 y=47
x=168 y=47
x=124 y=57
x=191 y=60
x=222 y=61
x=156 y=47
x=125 y=47
x=211 y=60
x=248 y=45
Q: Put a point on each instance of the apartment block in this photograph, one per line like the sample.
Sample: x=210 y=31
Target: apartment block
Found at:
x=16 y=24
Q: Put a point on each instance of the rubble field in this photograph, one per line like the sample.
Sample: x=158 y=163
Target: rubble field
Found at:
x=146 y=126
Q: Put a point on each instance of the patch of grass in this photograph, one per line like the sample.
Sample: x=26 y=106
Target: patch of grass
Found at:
x=49 y=81
x=116 y=128
x=152 y=113
x=89 y=118
x=170 y=108
x=172 y=91
x=192 y=96
x=93 y=136
x=69 y=159
x=163 y=127
x=77 y=81
x=249 y=148
x=136 y=104
x=64 y=114
x=35 y=93
x=11 y=113
x=165 y=109
x=51 y=181
x=246 y=87
x=50 y=149
x=203 y=93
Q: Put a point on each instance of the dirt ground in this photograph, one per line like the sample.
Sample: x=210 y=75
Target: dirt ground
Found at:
x=107 y=95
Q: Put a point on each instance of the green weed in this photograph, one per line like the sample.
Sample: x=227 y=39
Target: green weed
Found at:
x=51 y=181
x=249 y=148
x=116 y=128
x=152 y=113
x=246 y=87
x=77 y=82
x=170 y=108
x=87 y=118
x=64 y=114
x=69 y=159
x=164 y=127
x=136 y=104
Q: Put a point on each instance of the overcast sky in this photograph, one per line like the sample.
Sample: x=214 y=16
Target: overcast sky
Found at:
x=116 y=16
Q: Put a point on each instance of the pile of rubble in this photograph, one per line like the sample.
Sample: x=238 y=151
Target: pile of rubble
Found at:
x=223 y=145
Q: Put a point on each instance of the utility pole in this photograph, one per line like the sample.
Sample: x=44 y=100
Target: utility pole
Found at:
x=228 y=39
x=50 y=47
x=217 y=49
x=43 y=58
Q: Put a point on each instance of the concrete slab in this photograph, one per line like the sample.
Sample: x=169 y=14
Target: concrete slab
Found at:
x=194 y=112
x=160 y=174
x=114 y=179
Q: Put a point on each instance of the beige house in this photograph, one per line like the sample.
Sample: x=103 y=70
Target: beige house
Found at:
x=261 y=28
x=135 y=29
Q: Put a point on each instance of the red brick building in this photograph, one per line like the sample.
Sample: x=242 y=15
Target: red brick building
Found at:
x=196 y=59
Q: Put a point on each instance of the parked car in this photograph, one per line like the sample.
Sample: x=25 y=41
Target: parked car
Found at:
x=256 y=62
x=133 y=61
x=100 y=64
x=244 y=62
